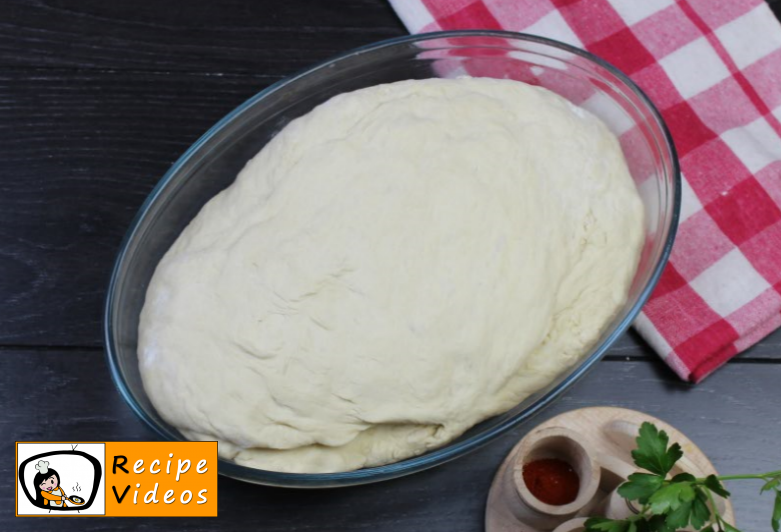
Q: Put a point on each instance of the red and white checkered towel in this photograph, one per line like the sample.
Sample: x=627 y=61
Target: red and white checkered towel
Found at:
x=713 y=68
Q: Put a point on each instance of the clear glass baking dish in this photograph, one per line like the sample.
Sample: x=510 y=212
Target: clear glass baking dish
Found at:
x=213 y=162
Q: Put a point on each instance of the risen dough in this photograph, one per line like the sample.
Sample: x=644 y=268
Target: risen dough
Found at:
x=394 y=267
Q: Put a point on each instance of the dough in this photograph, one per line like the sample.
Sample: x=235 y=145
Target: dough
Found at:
x=392 y=268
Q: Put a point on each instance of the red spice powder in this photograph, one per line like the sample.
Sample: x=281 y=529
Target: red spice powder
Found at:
x=552 y=481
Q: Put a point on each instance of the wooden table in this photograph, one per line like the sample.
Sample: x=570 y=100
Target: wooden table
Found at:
x=97 y=99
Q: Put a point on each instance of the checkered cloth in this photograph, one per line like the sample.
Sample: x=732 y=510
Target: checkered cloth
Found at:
x=713 y=68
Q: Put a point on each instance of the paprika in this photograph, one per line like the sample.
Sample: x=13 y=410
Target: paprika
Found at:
x=552 y=481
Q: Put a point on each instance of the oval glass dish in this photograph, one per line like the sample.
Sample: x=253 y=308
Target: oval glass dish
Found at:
x=213 y=162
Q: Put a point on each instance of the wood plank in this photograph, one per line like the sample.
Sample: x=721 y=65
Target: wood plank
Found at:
x=227 y=36
x=84 y=150
x=631 y=347
x=734 y=417
x=80 y=152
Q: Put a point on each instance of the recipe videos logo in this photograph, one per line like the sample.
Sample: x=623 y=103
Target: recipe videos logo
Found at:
x=129 y=479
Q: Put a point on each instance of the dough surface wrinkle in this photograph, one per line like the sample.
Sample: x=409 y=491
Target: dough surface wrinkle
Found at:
x=392 y=268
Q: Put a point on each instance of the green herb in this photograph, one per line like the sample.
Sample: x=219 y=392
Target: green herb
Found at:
x=670 y=504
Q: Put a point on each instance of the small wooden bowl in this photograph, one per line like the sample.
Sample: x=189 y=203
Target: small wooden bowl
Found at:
x=563 y=444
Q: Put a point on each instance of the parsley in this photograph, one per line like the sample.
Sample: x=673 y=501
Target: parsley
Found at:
x=670 y=504
x=652 y=452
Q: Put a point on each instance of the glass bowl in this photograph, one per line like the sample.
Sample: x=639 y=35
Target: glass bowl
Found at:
x=213 y=162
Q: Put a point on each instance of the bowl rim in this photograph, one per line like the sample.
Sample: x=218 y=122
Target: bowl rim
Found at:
x=450 y=451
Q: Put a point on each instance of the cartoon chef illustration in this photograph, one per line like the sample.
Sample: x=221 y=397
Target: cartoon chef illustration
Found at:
x=47 y=486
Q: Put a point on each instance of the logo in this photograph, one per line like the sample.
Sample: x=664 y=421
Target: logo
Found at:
x=60 y=479
x=132 y=479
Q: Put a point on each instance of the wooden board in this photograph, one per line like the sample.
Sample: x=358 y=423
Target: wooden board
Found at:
x=607 y=431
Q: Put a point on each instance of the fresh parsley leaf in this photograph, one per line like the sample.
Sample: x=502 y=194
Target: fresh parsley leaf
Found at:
x=679 y=518
x=771 y=484
x=776 y=519
x=652 y=453
x=601 y=524
x=670 y=497
x=715 y=485
x=640 y=486
x=670 y=505
x=657 y=523
x=700 y=511
x=683 y=477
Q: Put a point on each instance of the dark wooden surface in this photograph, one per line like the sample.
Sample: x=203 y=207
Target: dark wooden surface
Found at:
x=97 y=99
